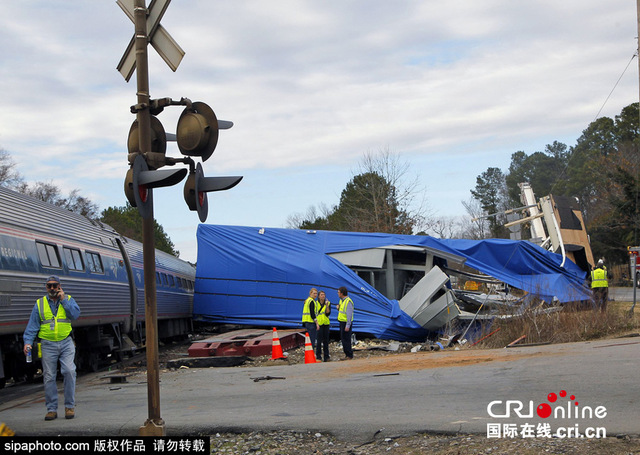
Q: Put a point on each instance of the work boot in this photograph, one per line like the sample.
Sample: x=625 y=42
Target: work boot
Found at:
x=51 y=415
x=69 y=413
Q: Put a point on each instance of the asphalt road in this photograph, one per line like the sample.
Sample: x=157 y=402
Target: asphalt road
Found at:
x=447 y=391
x=620 y=294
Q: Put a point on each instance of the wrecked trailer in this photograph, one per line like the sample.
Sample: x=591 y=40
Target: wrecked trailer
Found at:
x=261 y=276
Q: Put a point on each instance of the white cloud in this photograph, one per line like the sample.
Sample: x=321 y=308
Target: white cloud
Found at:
x=314 y=85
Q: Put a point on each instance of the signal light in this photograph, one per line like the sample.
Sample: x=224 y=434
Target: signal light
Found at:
x=140 y=181
x=197 y=131
x=158 y=143
x=197 y=186
x=196 y=135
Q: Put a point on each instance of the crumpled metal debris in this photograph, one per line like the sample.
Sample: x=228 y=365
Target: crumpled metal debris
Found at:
x=266 y=378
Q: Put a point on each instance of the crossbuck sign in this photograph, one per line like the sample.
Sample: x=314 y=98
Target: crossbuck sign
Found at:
x=161 y=41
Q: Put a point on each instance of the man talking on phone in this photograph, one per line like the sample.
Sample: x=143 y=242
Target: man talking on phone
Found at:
x=51 y=322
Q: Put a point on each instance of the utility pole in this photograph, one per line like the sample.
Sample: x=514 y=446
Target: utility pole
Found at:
x=635 y=223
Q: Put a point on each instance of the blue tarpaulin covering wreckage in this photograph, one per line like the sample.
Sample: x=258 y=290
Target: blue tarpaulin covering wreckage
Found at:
x=261 y=276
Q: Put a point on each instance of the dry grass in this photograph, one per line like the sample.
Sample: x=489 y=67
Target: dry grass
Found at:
x=568 y=324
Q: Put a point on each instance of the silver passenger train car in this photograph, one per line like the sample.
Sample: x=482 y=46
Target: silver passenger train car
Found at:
x=101 y=269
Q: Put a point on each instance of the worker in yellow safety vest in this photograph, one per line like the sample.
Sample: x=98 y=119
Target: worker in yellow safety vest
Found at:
x=600 y=285
x=324 y=310
x=309 y=316
x=50 y=321
x=345 y=319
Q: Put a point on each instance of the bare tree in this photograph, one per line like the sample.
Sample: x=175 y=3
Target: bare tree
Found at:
x=49 y=192
x=79 y=204
x=446 y=227
x=312 y=219
x=380 y=197
x=9 y=176
x=396 y=199
x=45 y=191
x=474 y=227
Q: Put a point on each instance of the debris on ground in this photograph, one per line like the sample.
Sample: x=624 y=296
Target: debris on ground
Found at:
x=312 y=442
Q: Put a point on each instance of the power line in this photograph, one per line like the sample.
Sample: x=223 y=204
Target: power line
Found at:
x=614 y=87
x=596 y=117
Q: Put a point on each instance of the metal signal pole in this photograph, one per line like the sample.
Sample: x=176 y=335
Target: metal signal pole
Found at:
x=154 y=425
x=196 y=135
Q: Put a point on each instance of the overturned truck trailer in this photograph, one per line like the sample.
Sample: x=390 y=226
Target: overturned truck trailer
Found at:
x=261 y=276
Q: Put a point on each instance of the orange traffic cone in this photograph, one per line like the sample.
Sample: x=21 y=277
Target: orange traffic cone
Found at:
x=309 y=355
x=276 y=349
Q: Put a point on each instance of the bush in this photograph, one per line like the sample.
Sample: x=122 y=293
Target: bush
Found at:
x=563 y=324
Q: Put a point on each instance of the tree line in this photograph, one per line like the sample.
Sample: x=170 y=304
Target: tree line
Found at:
x=602 y=171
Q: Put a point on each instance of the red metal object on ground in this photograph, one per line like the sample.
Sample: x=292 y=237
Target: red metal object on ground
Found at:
x=249 y=342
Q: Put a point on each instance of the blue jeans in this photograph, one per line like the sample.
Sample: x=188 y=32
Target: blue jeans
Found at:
x=311 y=328
x=65 y=352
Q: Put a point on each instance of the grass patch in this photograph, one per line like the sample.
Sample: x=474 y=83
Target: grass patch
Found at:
x=567 y=324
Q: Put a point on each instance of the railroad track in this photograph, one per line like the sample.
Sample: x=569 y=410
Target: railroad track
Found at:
x=25 y=391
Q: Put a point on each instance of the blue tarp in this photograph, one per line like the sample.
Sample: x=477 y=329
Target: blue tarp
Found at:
x=254 y=276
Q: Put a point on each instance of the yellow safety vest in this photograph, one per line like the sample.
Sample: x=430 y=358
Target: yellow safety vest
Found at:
x=342 y=309
x=306 y=312
x=323 y=319
x=53 y=328
x=599 y=278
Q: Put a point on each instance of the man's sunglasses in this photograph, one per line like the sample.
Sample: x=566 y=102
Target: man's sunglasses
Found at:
x=52 y=285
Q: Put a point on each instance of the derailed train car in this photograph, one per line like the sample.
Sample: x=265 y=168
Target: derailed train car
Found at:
x=399 y=283
x=101 y=269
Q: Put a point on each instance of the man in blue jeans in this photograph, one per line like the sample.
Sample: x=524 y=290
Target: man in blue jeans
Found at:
x=51 y=321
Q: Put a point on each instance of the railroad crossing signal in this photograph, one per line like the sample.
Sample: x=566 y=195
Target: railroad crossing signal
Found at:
x=156 y=158
x=197 y=135
x=197 y=186
x=197 y=131
x=140 y=181
x=160 y=39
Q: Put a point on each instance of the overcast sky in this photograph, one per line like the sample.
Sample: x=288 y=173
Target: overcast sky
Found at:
x=453 y=87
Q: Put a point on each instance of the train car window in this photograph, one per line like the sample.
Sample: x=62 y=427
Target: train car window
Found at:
x=73 y=258
x=164 y=279
x=158 y=281
x=94 y=263
x=171 y=281
x=48 y=254
x=179 y=281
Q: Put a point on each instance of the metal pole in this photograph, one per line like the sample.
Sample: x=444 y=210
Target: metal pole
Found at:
x=154 y=425
x=633 y=267
x=635 y=221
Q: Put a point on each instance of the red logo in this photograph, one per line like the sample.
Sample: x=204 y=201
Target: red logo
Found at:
x=544 y=410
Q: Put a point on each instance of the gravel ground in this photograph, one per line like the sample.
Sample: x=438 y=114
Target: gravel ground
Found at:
x=302 y=443
x=290 y=442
